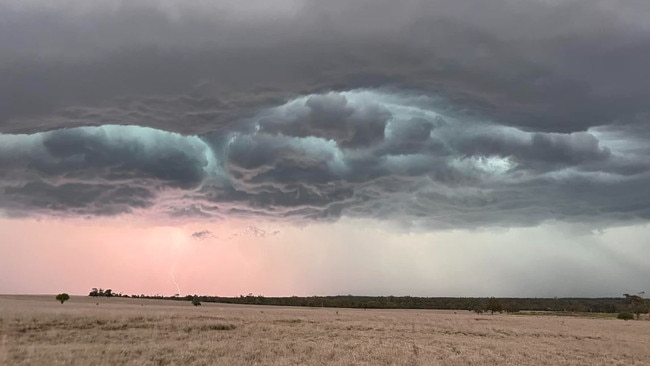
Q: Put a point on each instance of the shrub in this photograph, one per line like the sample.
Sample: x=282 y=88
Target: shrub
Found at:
x=62 y=297
x=196 y=301
x=625 y=316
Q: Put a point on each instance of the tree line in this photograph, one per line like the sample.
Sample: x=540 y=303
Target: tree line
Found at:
x=100 y=292
x=634 y=304
x=596 y=305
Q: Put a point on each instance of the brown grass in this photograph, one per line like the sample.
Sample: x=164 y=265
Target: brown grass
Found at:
x=37 y=330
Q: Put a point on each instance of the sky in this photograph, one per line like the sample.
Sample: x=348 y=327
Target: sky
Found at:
x=302 y=147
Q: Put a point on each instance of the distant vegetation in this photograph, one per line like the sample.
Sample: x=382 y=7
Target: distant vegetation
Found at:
x=634 y=304
x=196 y=301
x=625 y=316
x=99 y=292
x=479 y=305
x=637 y=304
x=62 y=297
x=494 y=305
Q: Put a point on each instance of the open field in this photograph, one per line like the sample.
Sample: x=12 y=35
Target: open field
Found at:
x=37 y=330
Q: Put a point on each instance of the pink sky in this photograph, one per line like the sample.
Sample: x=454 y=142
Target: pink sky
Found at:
x=356 y=257
x=133 y=258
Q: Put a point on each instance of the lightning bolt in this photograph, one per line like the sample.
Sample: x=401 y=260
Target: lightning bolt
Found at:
x=171 y=273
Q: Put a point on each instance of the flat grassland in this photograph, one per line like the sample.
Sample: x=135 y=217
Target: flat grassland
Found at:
x=37 y=330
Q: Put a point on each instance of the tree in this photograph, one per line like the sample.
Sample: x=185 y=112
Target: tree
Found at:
x=637 y=304
x=62 y=297
x=103 y=293
x=494 y=305
x=196 y=301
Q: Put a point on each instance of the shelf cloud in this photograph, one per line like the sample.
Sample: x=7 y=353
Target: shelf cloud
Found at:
x=421 y=113
x=363 y=153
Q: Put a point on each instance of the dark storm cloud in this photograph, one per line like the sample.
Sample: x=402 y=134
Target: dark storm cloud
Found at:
x=330 y=117
x=551 y=66
x=107 y=153
x=315 y=158
x=96 y=171
x=435 y=114
x=429 y=169
x=76 y=199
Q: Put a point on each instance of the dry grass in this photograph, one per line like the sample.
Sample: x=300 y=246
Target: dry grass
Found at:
x=37 y=330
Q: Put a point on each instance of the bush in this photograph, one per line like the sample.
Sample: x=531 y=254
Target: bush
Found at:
x=62 y=297
x=196 y=301
x=625 y=316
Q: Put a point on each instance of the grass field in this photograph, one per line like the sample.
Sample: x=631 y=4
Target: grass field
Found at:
x=37 y=330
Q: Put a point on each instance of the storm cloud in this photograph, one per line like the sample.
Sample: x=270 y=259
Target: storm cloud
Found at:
x=422 y=113
x=364 y=153
x=558 y=66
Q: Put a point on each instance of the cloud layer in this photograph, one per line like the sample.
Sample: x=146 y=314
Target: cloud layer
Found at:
x=383 y=154
x=193 y=67
x=433 y=114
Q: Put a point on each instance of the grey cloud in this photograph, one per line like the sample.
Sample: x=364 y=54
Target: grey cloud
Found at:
x=330 y=117
x=543 y=149
x=203 y=234
x=420 y=112
x=97 y=171
x=545 y=66
x=75 y=199
x=114 y=155
x=458 y=173
x=426 y=170
x=574 y=148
